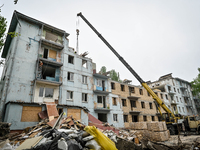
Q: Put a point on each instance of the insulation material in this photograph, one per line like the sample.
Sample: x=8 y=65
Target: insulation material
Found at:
x=51 y=109
x=140 y=125
x=52 y=54
x=30 y=114
x=157 y=126
x=75 y=113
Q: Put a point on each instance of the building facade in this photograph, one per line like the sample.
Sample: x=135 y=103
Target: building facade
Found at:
x=40 y=67
x=178 y=94
x=136 y=102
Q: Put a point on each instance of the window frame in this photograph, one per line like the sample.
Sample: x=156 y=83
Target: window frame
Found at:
x=84 y=96
x=69 y=76
x=115 y=117
x=84 y=79
x=114 y=101
x=124 y=100
x=69 y=59
x=71 y=94
x=143 y=105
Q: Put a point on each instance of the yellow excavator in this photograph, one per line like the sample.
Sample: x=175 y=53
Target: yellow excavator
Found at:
x=173 y=122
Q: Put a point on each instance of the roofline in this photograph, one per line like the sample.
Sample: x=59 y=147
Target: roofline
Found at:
x=17 y=15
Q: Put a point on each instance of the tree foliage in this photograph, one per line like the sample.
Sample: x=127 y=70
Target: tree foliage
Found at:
x=103 y=70
x=196 y=85
x=114 y=75
x=2 y=30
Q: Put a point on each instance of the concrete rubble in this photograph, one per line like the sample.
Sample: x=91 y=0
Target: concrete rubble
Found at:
x=69 y=134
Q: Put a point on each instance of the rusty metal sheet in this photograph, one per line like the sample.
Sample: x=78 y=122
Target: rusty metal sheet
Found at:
x=51 y=109
x=43 y=114
x=52 y=122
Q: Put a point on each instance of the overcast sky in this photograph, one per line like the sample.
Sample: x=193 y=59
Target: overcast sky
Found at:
x=155 y=37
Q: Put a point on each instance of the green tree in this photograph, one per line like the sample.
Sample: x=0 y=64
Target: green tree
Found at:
x=114 y=75
x=103 y=70
x=2 y=30
x=196 y=85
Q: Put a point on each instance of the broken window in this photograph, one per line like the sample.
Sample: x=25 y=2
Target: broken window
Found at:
x=112 y=85
x=70 y=76
x=150 y=106
x=183 y=109
x=99 y=99
x=178 y=91
x=179 y=109
x=84 y=63
x=84 y=79
x=152 y=118
x=41 y=92
x=169 y=88
x=99 y=82
x=71 y=59
x=122 y=88
x=84 y=97
x=125 y=118
x=48 y=35
x=172 y=97
x=134 y=118
x=123 y=102
x=166 y=96
x=131 y=89
x=161 y=95
x=144 y=118
x=114 y=101
x=49 y=92
x=141 y=92
x=49 y=54
x=177 y=98
x=114 y=117
x=181 y=100
x=133 y=104
x=48 y=72
x=174 y=89
x=69 y=95
x=143 y=104
x=148 y=93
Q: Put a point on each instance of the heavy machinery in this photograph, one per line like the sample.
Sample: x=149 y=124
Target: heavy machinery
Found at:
x=191 y=124
x=173 y=122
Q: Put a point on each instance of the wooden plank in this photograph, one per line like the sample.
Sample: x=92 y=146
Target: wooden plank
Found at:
x=52 y=54
x=75 y=113
x=30 y=114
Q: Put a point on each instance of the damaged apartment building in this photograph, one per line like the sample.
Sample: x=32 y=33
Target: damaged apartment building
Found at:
x=136 y=102
x=178 y=94
x=41 y=68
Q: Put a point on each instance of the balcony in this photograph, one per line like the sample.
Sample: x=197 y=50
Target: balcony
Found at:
x=182 y=87
x=51 y=62
x=132 y=97
x=171 y=92
x=48 y=74
x=52 y=39
x=101 y=108
x=173 y=102
x=100 y=90
x=133 y=111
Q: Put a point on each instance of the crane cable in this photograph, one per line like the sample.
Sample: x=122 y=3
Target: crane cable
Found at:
x=77 y=34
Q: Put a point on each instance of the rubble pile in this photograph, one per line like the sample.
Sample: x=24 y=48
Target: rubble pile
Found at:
x=152 y=131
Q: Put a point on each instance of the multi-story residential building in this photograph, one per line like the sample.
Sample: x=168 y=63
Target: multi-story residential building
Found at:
x=136 y=102
x=178 y=94
x=40 y=67
x=104 y=109
x=197 y=104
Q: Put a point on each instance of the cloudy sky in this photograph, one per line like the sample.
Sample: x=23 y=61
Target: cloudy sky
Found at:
x=155 y=37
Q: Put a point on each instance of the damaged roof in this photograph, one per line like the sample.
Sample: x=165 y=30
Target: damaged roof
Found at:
x=15 y=19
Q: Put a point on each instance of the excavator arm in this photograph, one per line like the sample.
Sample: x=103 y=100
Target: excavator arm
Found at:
x=155 y=97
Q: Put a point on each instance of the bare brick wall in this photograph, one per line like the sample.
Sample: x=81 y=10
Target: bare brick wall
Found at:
x=142 y=98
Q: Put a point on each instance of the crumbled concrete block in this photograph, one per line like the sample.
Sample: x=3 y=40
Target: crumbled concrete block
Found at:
x=160 y=136
x=140 y=125
x=157 y=126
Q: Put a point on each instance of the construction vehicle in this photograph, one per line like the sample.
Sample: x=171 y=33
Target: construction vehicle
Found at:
x=173 y=123
x=191 y=124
